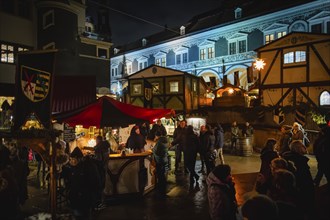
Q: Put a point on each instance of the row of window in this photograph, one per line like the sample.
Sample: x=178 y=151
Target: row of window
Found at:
x=173 y=86
x=288 y=58
x=238 y=43
x=8 y=52
x=317 y=25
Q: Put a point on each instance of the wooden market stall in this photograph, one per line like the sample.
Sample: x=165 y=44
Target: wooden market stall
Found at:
x=127 y=172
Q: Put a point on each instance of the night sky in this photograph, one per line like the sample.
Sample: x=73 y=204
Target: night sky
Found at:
x=172 y=13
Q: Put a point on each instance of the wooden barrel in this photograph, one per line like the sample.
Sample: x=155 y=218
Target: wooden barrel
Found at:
x=245 y=146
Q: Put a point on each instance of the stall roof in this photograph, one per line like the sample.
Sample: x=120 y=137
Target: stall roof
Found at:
x=108 y=112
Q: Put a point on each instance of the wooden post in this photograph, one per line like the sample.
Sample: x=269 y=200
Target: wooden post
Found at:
x=52 y=154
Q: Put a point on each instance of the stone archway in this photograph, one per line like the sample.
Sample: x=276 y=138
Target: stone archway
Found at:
x=211 y=78
x=241 y=70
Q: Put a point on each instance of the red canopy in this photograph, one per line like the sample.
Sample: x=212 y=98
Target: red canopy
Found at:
x=108 y=112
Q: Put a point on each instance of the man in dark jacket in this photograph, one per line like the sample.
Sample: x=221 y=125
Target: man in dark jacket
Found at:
x=190 y=154
x=178 y=141
x=84 y=184
x=157 y=127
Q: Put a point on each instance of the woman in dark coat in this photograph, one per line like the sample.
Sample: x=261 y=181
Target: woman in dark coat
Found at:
x=268 y=153
x=219 y=141
x=304 y=179
x=190 y=154
x=136 y=140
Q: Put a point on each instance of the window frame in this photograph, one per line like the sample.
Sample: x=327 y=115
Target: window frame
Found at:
x=44 y=19
x=128 y=67
x=210 y=52
x=324 y=102
x=137 y=89
x=160 y=59
x=204 y=50
x=174 y=86
x=142 y=63
x=114 y=70
x=12 y=54
x=235 y=40
x=292 y=57
x=102 y=48
x=179 y=54
x=202 y=54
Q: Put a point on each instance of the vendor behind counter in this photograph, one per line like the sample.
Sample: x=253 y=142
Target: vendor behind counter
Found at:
x=136 y=141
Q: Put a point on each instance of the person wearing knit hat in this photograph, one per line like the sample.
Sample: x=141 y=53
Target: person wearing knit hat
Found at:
x=83 y=184
x=221 y=193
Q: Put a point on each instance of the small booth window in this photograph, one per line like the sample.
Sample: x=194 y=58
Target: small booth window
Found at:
x=325 y=98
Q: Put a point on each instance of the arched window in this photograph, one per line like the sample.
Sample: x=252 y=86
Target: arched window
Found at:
x=325 y=98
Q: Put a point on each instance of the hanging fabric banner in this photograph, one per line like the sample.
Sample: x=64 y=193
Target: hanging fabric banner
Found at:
x=34 y=81
x=147 y=93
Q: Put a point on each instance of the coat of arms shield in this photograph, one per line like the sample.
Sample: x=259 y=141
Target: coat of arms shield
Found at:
x=35 y=83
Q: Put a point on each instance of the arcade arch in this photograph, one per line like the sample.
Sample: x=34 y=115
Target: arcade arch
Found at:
x=241 y=71
x=211 y=78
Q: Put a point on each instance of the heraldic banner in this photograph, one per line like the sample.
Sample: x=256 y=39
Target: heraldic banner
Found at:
x=147 y=93
x=34 y=81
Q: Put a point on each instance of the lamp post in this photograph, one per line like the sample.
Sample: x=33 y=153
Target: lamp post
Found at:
x=259 y=64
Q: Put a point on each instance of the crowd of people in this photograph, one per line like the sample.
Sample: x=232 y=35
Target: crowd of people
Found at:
x=284 y=188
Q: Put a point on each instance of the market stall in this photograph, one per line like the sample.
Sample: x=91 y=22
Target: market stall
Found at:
x=127 y=173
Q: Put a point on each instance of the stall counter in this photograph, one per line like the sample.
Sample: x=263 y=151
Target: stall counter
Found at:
x=129 y=174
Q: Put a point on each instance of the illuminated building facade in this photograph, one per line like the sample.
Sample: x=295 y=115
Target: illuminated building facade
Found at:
x=220 y=45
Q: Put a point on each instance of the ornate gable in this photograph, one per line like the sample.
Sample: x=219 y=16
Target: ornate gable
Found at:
x=160 y=54
x=320 y=15
x=206 y=43
x=276 y=26
x=237 y=35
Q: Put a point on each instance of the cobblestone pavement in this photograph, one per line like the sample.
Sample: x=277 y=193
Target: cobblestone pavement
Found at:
x=180 y=203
